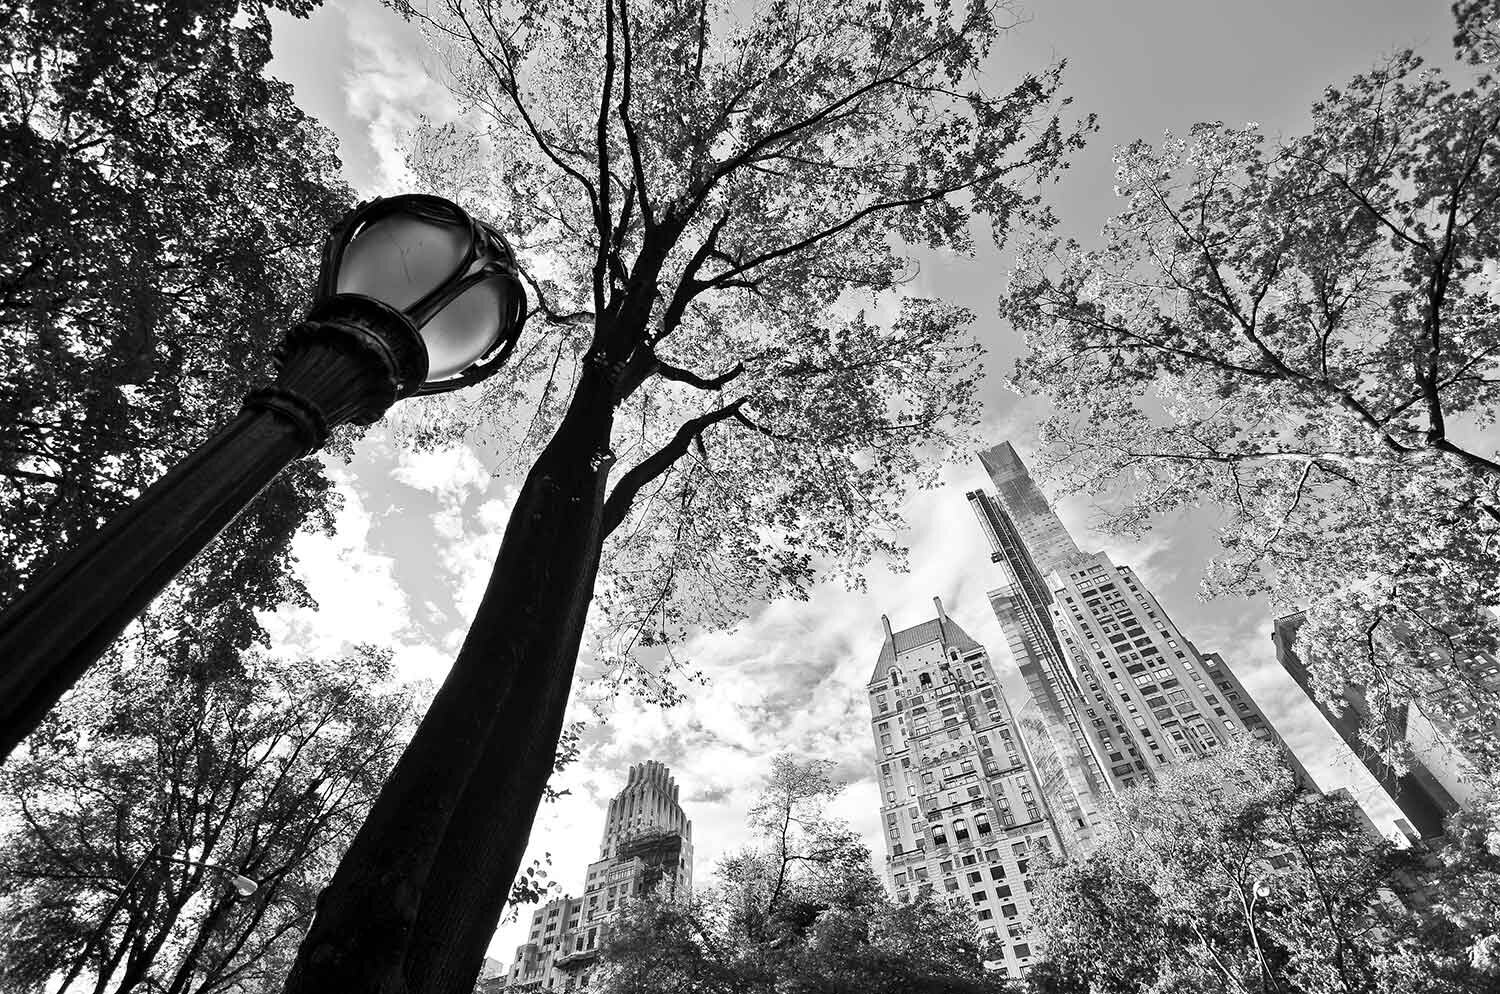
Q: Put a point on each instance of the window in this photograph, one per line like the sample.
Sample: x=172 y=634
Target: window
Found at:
x=1008 y=910
x=977 y=897
x=985 y=914
x=975 y=877
x=1022 y=950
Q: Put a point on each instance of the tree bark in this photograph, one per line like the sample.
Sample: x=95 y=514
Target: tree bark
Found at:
x=485 y=746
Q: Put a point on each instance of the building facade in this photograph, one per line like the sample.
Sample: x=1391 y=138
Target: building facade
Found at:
x=1118 y=688
x=647 y=846
x=962 y=806
x=1420 y=795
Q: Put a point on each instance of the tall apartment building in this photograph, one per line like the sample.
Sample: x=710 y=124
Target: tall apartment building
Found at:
x=1121 y=689
x=648 y=844
x=962 y=806
x=1071 y=749
x=1419 y=794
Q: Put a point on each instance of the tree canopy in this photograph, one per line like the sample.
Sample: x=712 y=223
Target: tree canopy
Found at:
x=724 y=201
x=1225 y=875
x=132 y=805
x=1303 y=334
x=161 y=199
x=798 y=910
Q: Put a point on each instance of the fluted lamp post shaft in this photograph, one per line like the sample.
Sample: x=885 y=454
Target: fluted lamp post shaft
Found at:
x=414 y=297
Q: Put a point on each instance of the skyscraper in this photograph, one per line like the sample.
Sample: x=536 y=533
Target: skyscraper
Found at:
x=1072 y=748
x=1118 y=687
x=1039 y=527
x=1420 y=796
x=648 y=844
x=962 y=806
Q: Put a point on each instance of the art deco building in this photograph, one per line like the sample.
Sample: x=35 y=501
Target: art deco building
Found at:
x=1119 y=690
x=962 y=806
x=648 y=845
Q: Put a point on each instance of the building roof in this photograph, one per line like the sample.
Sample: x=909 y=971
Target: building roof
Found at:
x=941 y=628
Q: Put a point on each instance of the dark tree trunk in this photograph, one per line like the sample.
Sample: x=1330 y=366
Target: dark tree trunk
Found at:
x=523 y=641
x=486 y=841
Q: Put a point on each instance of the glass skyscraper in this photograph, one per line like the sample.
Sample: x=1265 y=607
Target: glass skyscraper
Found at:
x=1119 y=690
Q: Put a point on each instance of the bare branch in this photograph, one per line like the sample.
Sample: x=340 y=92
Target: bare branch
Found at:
x=670 y=372
x=654 y=465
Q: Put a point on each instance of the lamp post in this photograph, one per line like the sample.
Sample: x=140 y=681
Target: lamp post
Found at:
x=414 y=297
x=1261 y=889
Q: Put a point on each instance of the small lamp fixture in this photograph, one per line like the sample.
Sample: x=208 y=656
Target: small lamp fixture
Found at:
x=243 y=885
x=423 y=262
x=1262 y=888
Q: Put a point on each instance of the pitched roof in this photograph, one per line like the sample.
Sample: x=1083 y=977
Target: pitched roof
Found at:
x=945 y=630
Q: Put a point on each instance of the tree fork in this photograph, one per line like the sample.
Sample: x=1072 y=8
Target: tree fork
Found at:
x=538 y=592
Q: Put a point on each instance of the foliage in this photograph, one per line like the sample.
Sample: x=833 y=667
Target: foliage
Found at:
x=1305 y=336
x=1222 y=876
x=718 y=201
x=142 y=775
x=1466 y=874
x=801 y=911
x=160 y=202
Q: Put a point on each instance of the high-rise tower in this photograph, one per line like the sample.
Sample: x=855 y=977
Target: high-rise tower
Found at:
x=1117 y=686
x=1073 y=747
x=1039 y=527
x=647 y=846
x=963 y=809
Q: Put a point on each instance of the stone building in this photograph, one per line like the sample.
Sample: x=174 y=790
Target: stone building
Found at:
x=962 y=807
x=647 y=846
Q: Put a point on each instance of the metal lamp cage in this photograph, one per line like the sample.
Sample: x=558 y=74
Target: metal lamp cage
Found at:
x=488 y=256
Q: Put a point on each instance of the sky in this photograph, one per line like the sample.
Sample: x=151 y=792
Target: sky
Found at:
x=418 y=531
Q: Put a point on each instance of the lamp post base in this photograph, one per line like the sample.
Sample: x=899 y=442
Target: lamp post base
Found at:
x=346 y=364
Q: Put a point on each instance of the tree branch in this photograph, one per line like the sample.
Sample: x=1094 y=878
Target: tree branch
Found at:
x=670 y=372
x=654 y=465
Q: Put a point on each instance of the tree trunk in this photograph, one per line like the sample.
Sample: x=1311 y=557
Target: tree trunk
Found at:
x=487 y=836
x=533 y=609
x=486 y=841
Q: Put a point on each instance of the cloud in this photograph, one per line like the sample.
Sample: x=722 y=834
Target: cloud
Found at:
x=389 y=87
x=358 y=597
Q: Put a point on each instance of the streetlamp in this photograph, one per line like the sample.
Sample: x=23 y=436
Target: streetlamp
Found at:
x=1260 y=890
x=242 y=885
x=414 y=297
